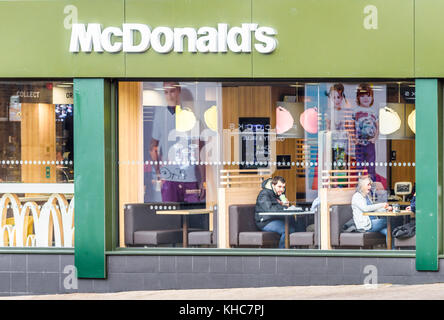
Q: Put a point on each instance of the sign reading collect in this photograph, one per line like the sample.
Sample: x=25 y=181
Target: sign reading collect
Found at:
x=91 y=37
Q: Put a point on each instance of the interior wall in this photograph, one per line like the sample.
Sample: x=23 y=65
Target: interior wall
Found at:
x=38 y=142
x=260 y=101
x=130 y=119
x=405 y=153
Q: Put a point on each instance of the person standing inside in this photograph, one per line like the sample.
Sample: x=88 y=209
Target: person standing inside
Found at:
x=174 y=153
x=341 y=124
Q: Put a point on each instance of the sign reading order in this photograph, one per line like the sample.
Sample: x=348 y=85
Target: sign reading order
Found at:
x=91 y=37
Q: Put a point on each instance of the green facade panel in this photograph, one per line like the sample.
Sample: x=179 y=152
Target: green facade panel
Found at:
x=316 y=38
x=428 y=173
x=429 y=39
x=91 y=97
x=195 y=14
x=341 y=38
x=36 y=35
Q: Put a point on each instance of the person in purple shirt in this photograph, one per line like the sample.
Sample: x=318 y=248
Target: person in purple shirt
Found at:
x=366 y=128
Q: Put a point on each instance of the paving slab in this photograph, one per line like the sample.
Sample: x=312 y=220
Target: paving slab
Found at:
x=340 y=292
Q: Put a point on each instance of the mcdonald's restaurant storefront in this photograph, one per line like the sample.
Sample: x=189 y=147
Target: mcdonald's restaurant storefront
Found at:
x=141 y=141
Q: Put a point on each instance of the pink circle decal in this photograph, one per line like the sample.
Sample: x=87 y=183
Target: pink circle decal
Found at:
x=309 y=120
x=284 y=120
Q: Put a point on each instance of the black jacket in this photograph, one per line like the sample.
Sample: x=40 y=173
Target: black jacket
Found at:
x=267 y=200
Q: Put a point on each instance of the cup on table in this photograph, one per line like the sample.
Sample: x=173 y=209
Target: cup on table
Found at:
x=283 y=198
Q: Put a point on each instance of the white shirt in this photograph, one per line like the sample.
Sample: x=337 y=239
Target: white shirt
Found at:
x=359 y=206
x=174 y=146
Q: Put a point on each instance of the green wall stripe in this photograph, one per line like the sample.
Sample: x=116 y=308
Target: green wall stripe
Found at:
x=263 y=252
x=90 y=99
x=428 y=172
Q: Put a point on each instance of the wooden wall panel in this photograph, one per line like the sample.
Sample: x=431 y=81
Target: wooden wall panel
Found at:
x=131 y=144
x=288 y=147
x=243 y=101
x=259 y=101
x=38 y=142
x=230 y=107
x=405 y=152
x=254 y=101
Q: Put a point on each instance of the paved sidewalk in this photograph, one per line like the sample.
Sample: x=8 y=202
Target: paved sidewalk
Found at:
x=347 y=292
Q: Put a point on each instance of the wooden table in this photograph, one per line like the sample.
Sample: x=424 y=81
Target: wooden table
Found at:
x=401 y=203
x=185 y=213
x=389 y=214
x=286 y=214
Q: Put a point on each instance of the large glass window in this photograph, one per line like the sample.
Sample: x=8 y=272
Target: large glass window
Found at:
x=236 y=164
x=36 y=164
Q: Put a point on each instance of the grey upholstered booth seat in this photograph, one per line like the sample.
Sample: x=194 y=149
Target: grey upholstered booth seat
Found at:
x=339 y=215
x=205 y=237
x=305 y=238
x=144 y=227
x=301 y=239
x=407 y=242
x=243 y=229
x=155 y=237
x=359 y=239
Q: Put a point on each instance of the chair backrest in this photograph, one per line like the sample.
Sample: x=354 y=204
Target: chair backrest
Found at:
x=235 y=178
x=142 y=216
x=241 y=220
x=316 y=225
x=339 y=215
x=342 y=178
x=214 y=235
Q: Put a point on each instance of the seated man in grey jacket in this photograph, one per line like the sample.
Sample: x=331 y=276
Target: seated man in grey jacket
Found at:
x=272 y=198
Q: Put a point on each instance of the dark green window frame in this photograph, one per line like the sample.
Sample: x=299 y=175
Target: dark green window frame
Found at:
x=96 y=194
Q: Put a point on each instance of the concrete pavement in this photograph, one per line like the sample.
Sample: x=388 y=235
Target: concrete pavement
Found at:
x=344 y=292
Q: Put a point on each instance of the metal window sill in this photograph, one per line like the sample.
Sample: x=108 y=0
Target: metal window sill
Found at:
x=42 y=250
x=263 y=252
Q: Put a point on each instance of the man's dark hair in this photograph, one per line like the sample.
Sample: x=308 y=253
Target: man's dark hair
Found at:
x=276 y=179
x=172 y=83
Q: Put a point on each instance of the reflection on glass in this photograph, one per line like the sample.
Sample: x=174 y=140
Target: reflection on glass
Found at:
x=212 y=146
x=36 y=155
x=37 y=121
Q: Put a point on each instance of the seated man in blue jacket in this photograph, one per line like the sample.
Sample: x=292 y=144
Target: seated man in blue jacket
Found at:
x=272 y=198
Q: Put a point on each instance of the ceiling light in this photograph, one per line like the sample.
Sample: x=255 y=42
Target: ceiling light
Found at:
x=411 y=120
x=389 y=121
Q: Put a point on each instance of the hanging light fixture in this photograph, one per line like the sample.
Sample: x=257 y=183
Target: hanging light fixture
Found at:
x=389 y=121
x=185 y=119
x=210 y=117
x=309 y=120
x=411 y=120
x=284 y=120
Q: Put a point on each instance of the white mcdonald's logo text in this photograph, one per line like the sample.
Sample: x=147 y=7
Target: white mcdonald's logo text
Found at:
x=91 y=37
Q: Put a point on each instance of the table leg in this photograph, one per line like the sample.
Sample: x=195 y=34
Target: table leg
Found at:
x=287 y=236
x=389 y=234
x=185 y=230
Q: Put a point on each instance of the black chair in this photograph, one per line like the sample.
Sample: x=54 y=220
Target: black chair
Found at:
x=339 y=215
x=143 y=227
x=305 y=238
x=406 y=243
x=243 y=229
x=204 y=237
